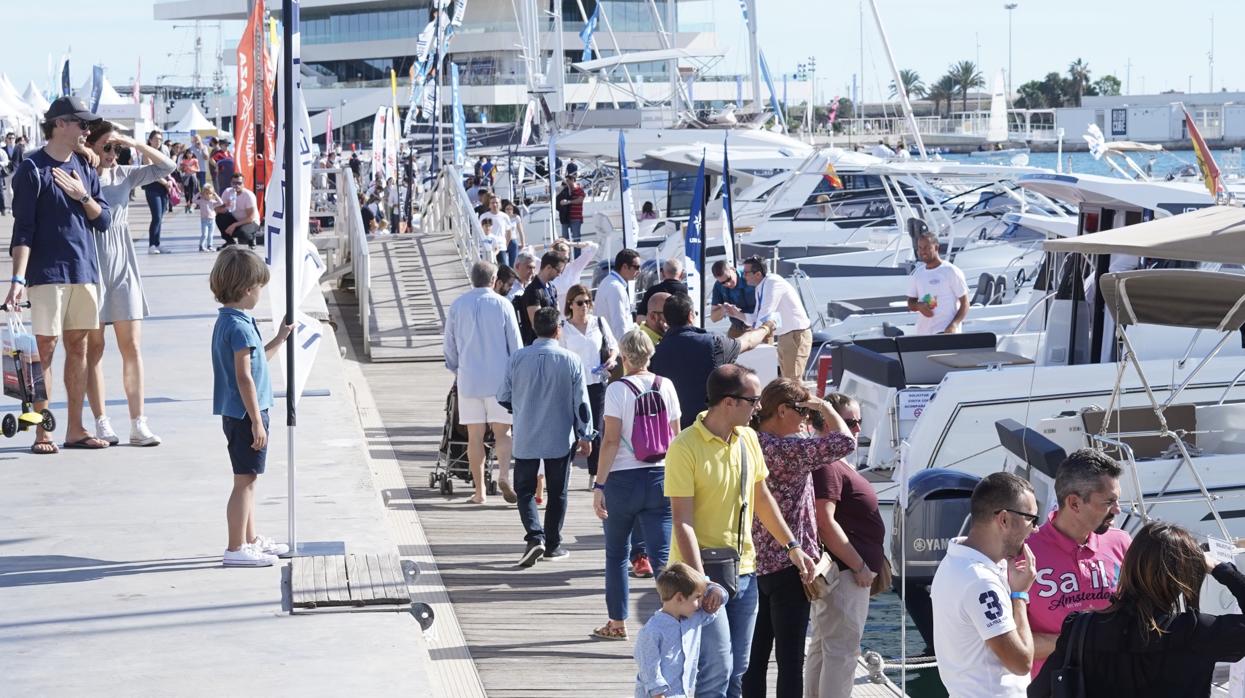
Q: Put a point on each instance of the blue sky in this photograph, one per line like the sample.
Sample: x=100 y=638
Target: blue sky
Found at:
x=1166 y=42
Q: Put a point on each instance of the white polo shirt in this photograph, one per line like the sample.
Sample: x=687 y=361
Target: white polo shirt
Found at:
x=972 y=603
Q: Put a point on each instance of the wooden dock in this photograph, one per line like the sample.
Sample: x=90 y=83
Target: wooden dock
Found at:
x=413 y=281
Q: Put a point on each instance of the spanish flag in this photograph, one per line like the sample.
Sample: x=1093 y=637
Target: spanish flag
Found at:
x=1205 y=161
x=833 y=177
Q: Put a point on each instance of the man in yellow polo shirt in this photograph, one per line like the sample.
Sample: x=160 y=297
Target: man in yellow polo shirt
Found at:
x=703 y=469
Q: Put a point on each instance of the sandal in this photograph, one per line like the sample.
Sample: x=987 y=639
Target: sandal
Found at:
x=44 y=448
x=610 y=632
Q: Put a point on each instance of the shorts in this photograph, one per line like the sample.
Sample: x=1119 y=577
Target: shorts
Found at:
x=245 y=460
x=482 y=410
x=57 y=308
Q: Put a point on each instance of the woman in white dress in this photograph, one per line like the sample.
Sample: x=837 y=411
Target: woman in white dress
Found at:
x=589 y=337
x=122 y=302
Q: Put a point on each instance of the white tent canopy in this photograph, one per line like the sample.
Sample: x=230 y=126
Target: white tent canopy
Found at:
x=107 y=96
x=35 y=98
x=193 y=122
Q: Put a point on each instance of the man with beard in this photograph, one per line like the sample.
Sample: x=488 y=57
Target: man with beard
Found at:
x=981 y=591
x=1078 y=554
x=936 y=290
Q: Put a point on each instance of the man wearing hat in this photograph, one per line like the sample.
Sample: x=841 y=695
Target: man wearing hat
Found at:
x=57 y=207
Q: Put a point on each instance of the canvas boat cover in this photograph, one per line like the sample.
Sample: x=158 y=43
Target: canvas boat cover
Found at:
x=1205 y=300
x=1212 y=234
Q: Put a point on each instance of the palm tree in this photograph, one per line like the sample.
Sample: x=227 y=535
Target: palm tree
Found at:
x=912 y=84
x=943 y=89
x=966 y=77
x=1078 y=70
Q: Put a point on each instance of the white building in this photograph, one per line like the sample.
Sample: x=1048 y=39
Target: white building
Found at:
x=1220 y=116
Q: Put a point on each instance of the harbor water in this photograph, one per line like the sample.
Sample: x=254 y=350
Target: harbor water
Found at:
x=882 y=636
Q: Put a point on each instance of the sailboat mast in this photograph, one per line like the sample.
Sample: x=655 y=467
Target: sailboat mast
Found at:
x=899 y=86
x=754 y=55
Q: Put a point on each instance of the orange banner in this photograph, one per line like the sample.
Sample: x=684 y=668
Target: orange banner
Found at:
x=1205 y=161
x=244 y=117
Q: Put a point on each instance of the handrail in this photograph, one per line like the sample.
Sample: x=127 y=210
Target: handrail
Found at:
x=1032 y=306
x=449 y=209
x=348 y=223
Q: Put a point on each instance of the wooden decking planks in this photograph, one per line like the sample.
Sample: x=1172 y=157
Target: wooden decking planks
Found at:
x=326 y=581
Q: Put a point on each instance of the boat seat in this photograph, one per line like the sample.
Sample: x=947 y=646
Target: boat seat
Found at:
x=984 y=294
x=1141 y=419
x=914 y=352
x=1029 y=445
x=879 y=347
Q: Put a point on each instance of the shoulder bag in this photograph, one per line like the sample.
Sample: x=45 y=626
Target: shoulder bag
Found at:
x=1069 y=681
x=721 y=565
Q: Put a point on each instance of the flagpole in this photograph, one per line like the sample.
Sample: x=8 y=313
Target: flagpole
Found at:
x=289 y=13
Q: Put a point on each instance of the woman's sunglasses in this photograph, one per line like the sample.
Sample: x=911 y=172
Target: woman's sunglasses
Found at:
x=582 y=303
x=802 y=411
x=853 y=423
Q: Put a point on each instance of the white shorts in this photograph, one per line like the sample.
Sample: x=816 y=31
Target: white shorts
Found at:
x=55 y=308
x=482 y=410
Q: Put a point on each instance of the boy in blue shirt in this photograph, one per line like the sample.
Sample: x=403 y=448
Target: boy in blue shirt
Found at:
x=667 y=649
x=241 y=395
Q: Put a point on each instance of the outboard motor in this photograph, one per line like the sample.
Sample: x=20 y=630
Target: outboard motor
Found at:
x=937 y=511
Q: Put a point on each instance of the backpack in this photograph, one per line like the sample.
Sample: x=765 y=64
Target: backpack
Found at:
x=650 y=426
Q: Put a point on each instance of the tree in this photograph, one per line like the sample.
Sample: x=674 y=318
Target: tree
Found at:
x=943 y=89
x=966 y=77
x=1030 y=96
x=1107 y=85
x=1055 y=90
x=1078 y=71
x=912 y=84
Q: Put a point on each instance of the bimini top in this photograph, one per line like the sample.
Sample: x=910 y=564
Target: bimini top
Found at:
x=1212 y=234
x=1204 y=300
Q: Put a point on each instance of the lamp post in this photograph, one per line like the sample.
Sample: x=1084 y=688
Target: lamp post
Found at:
x=1009 y=7
x=808 y=71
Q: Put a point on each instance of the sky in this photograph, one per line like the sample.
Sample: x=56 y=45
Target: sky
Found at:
x=1166 y=43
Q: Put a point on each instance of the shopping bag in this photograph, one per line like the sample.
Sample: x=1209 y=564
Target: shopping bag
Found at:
x=22 y=368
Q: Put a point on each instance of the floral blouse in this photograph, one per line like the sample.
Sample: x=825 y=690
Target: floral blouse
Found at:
x=790 y=460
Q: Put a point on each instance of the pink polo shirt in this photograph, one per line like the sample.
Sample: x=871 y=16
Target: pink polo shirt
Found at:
x=1072 y=577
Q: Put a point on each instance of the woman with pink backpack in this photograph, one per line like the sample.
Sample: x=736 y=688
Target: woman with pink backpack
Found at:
x=641 y=418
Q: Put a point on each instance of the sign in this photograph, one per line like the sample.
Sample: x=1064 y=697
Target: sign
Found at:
x=1119 y=122
x=912 y=402
x=1221 y=550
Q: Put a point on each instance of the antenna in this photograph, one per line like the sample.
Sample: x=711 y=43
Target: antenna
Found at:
x=1211 y=54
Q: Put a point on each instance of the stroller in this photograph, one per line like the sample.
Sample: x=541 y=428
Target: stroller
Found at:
x=23 y=375
x=452 y=455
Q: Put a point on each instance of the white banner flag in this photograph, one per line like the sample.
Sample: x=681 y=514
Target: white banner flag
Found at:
x=391 y=146
x=378 y=143
x=308 y=265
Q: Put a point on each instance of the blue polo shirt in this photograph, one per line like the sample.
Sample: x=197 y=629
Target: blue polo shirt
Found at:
x=236 y=330
x=742 y=296
x=53 y=226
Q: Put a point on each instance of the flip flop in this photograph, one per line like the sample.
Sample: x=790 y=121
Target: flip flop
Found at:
x=50 y=448
x=87 y=442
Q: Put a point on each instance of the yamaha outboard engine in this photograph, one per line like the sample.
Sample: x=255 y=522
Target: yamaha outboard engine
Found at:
x=937 y=511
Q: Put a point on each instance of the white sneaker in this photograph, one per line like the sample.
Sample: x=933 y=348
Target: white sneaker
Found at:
x=140 y=434
x=153 y=250
x=248 y=556
x=104 y=432
x=269 y=546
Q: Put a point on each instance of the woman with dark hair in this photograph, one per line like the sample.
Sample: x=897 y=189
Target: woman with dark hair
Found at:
x=157 y=192
x=792 y=452
x=588 y=336
x=647 y=213
x=1153 y=641
x=121 y=302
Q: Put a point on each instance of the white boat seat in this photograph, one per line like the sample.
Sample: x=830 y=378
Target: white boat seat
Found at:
x=1182 y=417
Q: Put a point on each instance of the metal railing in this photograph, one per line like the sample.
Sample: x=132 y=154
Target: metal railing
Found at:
x=352 y=236
x=449 y=209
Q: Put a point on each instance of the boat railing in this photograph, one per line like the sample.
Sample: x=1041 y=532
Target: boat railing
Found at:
x=1036 y=304
x=449 y=210
x=348 y=226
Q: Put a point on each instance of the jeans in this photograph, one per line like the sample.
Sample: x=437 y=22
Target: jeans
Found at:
x=158 y=202
x=633 y=497
x=782 y=623
x=596 y=400
x=512 y=253
x=557 y=476
x=4 y=184
x=205 y=232
x=726 y=642
x=202 y=177
x=571 y=231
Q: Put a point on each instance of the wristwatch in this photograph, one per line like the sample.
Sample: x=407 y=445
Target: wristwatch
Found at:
x=1022 y=595
x=85 y=198
x=792 y=546
x=598 y=486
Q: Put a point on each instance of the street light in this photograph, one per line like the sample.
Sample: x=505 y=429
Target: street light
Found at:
x=1009 y=7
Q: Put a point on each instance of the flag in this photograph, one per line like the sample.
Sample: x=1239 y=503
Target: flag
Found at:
x=66 y=89
x=271 y=59
x=328 y=131
x=308 y=268
x=589 y=29
x=460 y=9
x=694 y=240
x=97 y=86
x=773 y=94
x=728 y=207
x=529 y=115
x=250 y=69
x=832 y=177
x=378 y=141
x=1205 y=161
x=138 y=77
x=739 y=90
x=460 y=120
x=630 y=226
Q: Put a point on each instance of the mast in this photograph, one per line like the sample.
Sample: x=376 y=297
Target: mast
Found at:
x=899 y=86
x=754 y=55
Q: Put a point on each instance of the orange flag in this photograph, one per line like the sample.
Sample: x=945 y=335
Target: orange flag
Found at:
x=250 y=70
x=1205 y=161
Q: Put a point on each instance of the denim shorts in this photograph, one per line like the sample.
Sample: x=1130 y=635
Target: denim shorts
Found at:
x=245 y=460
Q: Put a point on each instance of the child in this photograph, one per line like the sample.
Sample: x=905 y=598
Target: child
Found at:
x=667 y=649
x=207 y=201
x=242 y=395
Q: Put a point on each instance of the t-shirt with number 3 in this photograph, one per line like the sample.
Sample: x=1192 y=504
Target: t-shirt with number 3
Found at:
x=972 y=603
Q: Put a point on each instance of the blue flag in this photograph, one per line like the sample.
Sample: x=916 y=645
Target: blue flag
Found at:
x=728 y=208
x=694 y=234
x=586 y=33
x=460 y=120
x=773 y=94
x=97 y=86
x=66 y=90
x=629 y=223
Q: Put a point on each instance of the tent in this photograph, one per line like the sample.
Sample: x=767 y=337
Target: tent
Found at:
x=14 y=112
x=1212 y=234
x=107 y=96
x=35 y=98
x=193 y=122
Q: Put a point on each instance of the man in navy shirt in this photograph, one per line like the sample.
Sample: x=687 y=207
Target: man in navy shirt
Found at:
x=57 y=208
x=730 y=291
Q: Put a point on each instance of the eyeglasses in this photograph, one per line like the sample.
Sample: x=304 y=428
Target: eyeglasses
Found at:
x=853 y=423
x=751 y=400
x=1031 y=518
x=582 y=303
x=802 y=411
x=80 y=123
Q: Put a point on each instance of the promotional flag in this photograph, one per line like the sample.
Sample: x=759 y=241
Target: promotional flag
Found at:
x=97 y=86
x=773 y=94
x=378 y=141
x=739 y=90
x=250 y=69
x=328 y=130
x=630 y=226
x=1205 y=161
x=308 y=267
x=272 y=60
x=460 y=9
x=728 y=207
x=460 y=120
x=529 y=115
x=693 y=238
x=138 y=78
x=66 y=89
x=589 y=29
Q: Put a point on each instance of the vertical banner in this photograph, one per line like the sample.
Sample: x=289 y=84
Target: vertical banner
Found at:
x=378 y=142
x=97 y=86
x=773 y=94
x=244 y=121
x=66 y=88
x=694 y=241
x=590 y=27
x=728 y=206
x=460 y=9
x=271 y=59
x=739 y=91
x=328 y=131
x=630 y=226
x=460 y=120
x=391 y=146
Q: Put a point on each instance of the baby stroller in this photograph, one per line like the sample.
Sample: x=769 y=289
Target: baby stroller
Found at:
x=452 y=456
x=23 y=375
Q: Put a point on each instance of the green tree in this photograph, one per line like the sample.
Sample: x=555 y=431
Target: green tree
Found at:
x=1030 y=96
x=912 y=84
x=1107 y=85
x=1055 y=90
x=966 y=77
x=944 y=89
x=1078 y=72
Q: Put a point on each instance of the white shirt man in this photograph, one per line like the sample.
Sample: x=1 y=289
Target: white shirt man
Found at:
x=241 y=203
x=937 y=291
x=574 y=271
x=614 y=301
x=778 y=300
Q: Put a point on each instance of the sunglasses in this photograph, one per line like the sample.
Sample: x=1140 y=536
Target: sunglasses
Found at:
x=81 y=123
x=856 y=423
x=753 y=400
x=802 y=411
x=1031 y=518
x=110 y=148
x=582 y=303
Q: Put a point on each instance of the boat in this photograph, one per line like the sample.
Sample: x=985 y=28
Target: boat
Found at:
x=996 y=134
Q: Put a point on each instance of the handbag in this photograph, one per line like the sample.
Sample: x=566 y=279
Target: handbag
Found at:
x=820 y=584
x=1069 y=680
x=882 y=582
x=604 y=350
x=721 y=565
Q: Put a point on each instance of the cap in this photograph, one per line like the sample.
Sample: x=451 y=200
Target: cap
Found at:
x=70 y=106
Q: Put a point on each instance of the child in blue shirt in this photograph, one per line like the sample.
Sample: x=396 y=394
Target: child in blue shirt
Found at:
x=667 y=649
x=241 y=395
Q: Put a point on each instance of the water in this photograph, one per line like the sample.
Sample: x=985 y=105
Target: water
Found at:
x=1084 y=163
x=882 y=636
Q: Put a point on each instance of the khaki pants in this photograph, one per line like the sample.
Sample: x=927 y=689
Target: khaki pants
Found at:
x=838 y=621
x=793 y=350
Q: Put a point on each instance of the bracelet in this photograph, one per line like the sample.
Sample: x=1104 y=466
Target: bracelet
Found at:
x=1022 y=595
x=18 y=280
x=598 y=486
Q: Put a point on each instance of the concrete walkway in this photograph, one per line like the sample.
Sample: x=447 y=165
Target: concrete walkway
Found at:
x=110 y=575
